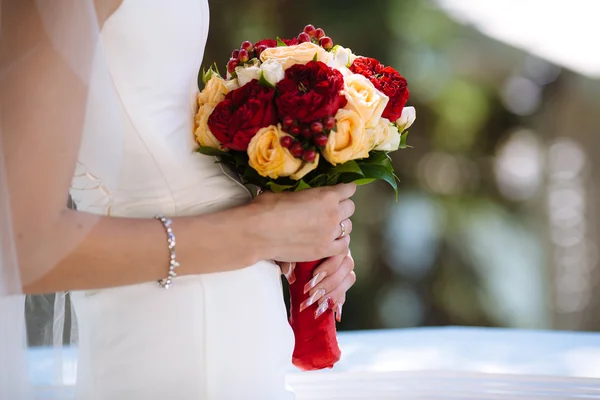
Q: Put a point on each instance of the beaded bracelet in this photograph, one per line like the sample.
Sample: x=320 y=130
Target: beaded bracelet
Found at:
x=168 y=281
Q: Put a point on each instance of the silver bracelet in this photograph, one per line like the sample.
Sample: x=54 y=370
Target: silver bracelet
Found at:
x=168 y=281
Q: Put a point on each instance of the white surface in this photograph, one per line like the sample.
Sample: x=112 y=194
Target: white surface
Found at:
x=458 y=363
x=441 y=363
x=563 y=32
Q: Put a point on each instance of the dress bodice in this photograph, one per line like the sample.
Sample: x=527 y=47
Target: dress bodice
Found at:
x=137 y=156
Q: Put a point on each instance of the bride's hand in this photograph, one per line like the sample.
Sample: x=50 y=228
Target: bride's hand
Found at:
x=305 y=225
x=331 y=280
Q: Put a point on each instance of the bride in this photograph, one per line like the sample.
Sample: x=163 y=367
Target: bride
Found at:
x=106 y=115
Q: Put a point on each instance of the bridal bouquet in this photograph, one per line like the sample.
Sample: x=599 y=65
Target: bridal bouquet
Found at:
x=292 y=114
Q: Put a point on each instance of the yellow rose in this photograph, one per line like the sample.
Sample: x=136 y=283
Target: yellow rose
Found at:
x=214 y=92
x=268 y=157
x=365 y=99
x=306 y=168
x=203 y=134
x=287 y=56
x=349 y=141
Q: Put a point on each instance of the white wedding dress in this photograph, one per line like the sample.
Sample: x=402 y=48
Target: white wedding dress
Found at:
x=210 y=337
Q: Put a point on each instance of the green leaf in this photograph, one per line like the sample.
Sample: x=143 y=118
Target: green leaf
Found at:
x=217 y=69
x=315 y=57
x=277 y=188
x=348 y=178
x=382 y=173
x=364 y=181
x=263 y=82
x=301 y=186
x=377 y=158
x=211 y=151
x=403 y=144
x=348 y=166
x=318 y=181
x=208 y=74
x=280 y=43
x=334 y=48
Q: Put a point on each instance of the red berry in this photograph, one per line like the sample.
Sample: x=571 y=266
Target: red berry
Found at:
x=329 y=123
x=309 y=29
x=232 y=64
x=296 y=149
x=235 y=54
x=319 y=33
x=303 y=37
x=286 y=141
x=309 y=156
x=295 y=130
x=326 y=43
x=244 y=56
x=247 y=46
x=259 y=49
x=320 y=140
x=316 y=127
x=288 y=121
x=306 y=133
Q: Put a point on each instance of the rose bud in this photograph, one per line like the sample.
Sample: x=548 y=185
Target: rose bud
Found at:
x=286 y=141
x=296 y=149
x=232 y=64
x=244 y=56
x=320 y=140
x=303 y=37
x=326 y=43
x=306 y=133
x=316 y=127
x=247 y=46
x=329 y=123
x=295 y=130
x=309 y=156
x=319 y=33
x=235 y=54
x=309 y=30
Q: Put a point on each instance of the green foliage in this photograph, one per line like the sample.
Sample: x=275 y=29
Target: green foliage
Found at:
x=377 y=167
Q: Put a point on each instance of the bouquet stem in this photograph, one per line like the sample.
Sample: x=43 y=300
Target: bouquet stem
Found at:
x=316 y=345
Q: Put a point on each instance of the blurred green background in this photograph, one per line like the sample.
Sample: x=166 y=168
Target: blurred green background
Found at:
x=496 y=224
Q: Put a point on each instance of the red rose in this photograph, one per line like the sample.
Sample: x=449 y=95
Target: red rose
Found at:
x=388 y=81
x=273 y=43
x=235 y=120
x=310 y=92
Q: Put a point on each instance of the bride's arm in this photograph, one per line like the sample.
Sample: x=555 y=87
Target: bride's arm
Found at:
x=61 y=249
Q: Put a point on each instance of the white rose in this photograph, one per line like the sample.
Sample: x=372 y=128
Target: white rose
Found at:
x=287 y=56
x=246 y=74
x=272 y=71
x=409 y=114
x=340 y=57
x=365 y=99
x=232 y=84
x=386 y=136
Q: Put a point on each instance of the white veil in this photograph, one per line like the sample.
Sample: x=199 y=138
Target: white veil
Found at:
x=48 y=49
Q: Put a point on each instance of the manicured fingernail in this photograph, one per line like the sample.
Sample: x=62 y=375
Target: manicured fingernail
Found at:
x=290 y=275
x=314 y=281
x=322 y=308
x=312 y=299
x=338 y=312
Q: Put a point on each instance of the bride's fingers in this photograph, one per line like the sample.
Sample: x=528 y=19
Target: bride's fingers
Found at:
x=336 y=299
x=347 y=209
x=287 y=269
x=330 y=275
